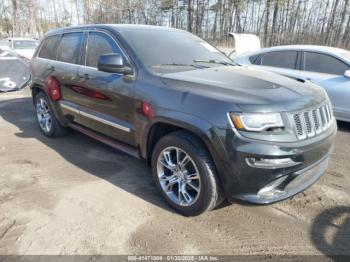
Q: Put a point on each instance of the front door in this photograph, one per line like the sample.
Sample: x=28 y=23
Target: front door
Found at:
x=106 y=99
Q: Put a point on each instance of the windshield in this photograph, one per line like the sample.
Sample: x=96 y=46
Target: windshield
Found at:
x=173 y=50
x=4 y=43
x=25 y=44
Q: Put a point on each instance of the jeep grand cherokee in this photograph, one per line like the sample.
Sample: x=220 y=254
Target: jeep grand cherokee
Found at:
x=209 y=129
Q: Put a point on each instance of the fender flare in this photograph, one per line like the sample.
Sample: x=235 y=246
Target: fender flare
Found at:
x=196 y=125
x=54 y=105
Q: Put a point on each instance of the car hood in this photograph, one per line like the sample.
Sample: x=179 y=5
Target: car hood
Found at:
x=244 y=43
x=14 y=72
x=249 y=88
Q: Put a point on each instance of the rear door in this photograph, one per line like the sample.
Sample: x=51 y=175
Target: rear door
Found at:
x=328 y=72
x=106 y=99
x=65 y=70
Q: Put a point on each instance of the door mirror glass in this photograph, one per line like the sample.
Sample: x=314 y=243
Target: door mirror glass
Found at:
x=113 y=63
x=347 y=73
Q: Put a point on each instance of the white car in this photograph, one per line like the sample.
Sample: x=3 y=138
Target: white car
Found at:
x=24 y=47
x=327 y=67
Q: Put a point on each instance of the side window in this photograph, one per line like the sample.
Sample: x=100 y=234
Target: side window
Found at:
x=49 y=47
x=98 y=44
x=70 y=48
x=323 y=63
x=254 y=59
x=284 y=59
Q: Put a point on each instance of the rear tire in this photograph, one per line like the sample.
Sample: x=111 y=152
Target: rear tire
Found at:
x=46 y=119
x=176 y=159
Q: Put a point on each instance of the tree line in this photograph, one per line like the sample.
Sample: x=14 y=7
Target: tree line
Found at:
x=276 y=22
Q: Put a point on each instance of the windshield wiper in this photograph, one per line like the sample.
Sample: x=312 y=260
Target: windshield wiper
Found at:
x=179 y=64
x=212 y=61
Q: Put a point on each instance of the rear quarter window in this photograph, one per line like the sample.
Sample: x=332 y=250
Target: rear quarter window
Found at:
x=49 y=47
x=254 y=59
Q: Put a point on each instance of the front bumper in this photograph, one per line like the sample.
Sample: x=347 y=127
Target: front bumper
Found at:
x=241 y=180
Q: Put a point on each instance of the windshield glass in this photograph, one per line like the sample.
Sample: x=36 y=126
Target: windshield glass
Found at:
x=173 y=50
x=4 y=43
x=25 y=44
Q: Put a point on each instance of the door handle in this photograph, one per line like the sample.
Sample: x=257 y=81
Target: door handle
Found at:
x=84 y=76
x=51 y=68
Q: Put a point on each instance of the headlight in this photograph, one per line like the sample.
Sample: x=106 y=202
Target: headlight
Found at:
x=256 y=122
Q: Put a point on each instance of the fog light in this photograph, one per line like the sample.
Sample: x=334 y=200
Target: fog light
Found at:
x=271 y=163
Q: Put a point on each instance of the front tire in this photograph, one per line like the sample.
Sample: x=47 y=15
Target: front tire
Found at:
x=46 y=118
x=185 y=174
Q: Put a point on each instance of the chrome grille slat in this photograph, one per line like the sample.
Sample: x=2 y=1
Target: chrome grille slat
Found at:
x=298 y=125
x=312 y=122
x=307 y=122
x=318 y=115
x=329 y=112
x=304 y=125
x=315 y=120
x=324 y=119
x=326 y=114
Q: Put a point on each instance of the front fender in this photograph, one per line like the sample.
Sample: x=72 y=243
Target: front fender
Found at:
x=200 y=127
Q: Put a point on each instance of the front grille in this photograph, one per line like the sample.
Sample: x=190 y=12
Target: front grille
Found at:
x=312 y=122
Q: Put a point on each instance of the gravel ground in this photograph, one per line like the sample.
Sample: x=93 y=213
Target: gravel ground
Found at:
x=74 y=195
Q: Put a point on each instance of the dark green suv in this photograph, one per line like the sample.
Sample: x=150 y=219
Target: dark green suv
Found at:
x=210 y=129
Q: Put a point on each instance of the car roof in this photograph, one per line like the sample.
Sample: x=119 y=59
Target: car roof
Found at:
x=315 y=48
x=117 y=27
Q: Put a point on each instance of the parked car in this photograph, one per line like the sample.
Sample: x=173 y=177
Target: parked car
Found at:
x=328 y=67
x=209 y=129
x=24 y=47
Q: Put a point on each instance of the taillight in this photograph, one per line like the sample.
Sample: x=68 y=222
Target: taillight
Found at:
x=54 y=89
x=147 y=110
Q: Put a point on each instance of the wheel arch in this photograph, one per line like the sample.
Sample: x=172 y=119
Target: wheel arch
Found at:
x=198 y=127
x=36 y=88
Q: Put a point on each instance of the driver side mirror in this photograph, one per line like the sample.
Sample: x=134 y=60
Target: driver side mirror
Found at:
x=113 y=63
x=347 y=73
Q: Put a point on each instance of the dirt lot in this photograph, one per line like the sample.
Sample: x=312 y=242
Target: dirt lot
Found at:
x=74 y=195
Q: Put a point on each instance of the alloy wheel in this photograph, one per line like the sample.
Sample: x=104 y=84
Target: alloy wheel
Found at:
x=44 y=115
x=178 y=176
